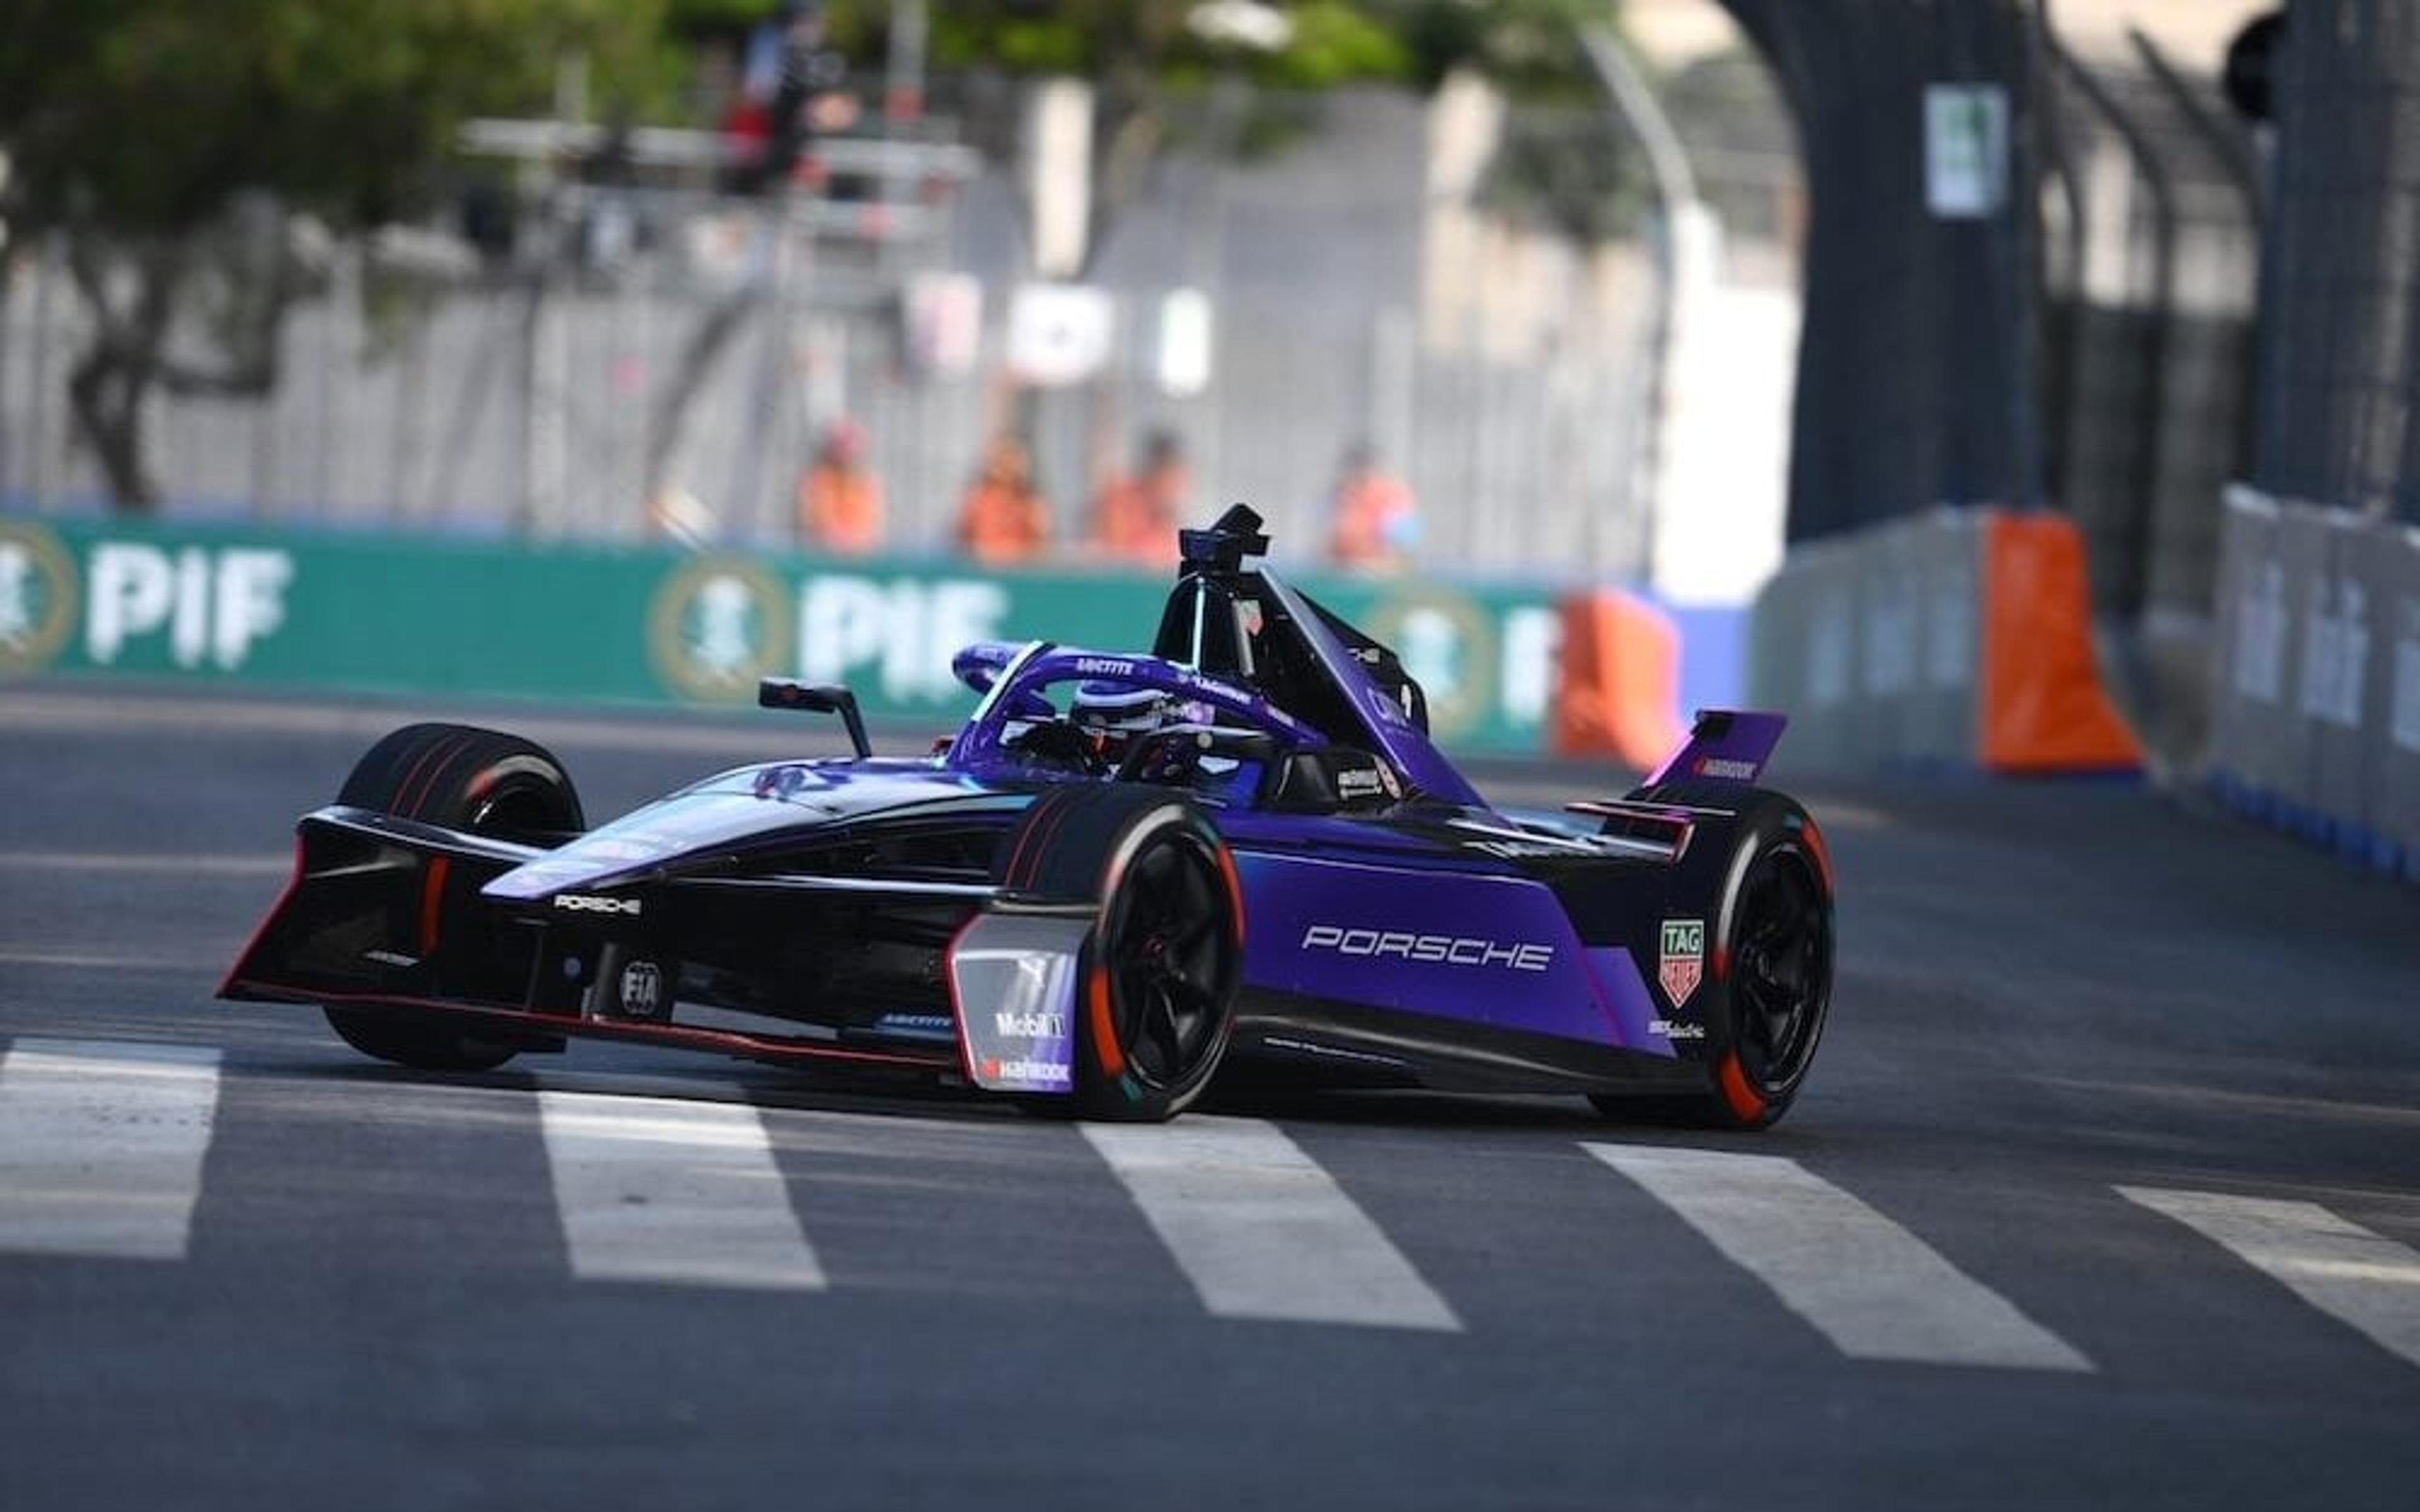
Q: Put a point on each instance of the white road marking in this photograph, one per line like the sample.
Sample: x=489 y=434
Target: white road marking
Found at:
x=2349 y=1272
x=217 y=713
x=71 y=959
x=1874 y=1289
x=166 y=863
x=101 y=1146
x=654 y=1189
x=1262 y=1230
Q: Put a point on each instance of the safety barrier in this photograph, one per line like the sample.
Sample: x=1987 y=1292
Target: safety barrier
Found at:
x=422 y=617
x=2316 y=720
x=1960 y=638
x=1617 y=687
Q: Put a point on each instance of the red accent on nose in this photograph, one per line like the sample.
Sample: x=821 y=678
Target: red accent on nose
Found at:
x=432 y=903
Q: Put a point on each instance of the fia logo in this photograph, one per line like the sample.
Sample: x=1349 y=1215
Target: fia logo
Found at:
x=642 y=989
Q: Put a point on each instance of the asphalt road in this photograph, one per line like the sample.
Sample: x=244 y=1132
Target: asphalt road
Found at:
x=2105 y=1192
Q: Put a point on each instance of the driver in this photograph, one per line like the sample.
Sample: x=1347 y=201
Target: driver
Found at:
x=1111 y=717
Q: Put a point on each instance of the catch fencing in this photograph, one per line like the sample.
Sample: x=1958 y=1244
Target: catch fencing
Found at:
x=529 y=397
x=2340 y=361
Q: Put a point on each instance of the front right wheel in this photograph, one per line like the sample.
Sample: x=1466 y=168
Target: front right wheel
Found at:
x=1159 y=972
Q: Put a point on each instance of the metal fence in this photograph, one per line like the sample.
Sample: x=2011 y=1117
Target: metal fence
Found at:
x=2150 y=253
x=529 y=398
x=2340 y=362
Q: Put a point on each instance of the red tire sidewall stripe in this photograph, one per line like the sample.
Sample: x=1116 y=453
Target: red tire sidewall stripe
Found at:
x=424 y=775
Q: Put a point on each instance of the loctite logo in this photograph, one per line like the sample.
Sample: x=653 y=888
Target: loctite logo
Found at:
x=582 y=903
x=1432 y=950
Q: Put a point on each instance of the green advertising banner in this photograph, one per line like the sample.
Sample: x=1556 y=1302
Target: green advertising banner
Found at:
x=655 y=626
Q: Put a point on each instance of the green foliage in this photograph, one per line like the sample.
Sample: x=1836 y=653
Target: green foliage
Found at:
x=1334 y=42
x=151 y=114
x=1564 y=170
x=1526 y=46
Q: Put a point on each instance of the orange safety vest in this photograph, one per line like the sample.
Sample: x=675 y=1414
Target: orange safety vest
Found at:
x=1001 y=523
x=840 y=509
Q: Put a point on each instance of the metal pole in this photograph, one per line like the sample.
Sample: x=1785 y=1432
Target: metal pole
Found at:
x=1676 y=187
x=2235 y=158
x=902 y=110
x=2151 y=405
x=37 y=485
x=2228 y=145
x=8 y=291
x=2059 y=367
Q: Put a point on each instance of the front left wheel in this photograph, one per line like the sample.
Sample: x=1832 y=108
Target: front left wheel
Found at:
x=482 y=782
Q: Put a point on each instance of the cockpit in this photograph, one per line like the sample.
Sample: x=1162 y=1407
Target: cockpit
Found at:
x=1253 y=692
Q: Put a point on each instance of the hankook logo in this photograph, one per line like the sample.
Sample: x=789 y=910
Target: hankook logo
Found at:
x=1433 y=949
x=1727 y=769
x=583 y=902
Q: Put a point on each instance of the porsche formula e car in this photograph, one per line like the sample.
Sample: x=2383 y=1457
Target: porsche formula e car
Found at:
x=1126 y=876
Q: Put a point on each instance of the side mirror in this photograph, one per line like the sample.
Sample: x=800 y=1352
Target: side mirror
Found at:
x=817 y=698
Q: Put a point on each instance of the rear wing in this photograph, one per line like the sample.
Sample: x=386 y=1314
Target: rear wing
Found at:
x=1724 y=746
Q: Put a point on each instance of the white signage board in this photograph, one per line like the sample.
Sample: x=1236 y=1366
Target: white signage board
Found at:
x=1965 y=150
x=1059 y=333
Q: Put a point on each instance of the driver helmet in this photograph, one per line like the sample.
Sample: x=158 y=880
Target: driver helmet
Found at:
x=1114 y=715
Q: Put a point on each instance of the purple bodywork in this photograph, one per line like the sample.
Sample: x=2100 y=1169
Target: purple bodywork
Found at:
x=1402 y=902
x=1497 y=949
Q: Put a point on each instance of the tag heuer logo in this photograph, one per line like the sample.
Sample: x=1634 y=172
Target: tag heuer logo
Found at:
x=1683 y=962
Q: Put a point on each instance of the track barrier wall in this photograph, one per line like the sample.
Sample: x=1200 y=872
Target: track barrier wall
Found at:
x=1960 y=637
x=420 y=617
x=2317 y=721
x=1617 y=684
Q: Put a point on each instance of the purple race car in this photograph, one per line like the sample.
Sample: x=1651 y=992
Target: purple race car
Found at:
x=1127 y=875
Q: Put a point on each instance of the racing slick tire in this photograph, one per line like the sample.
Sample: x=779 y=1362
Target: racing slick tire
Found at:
x=1160 y=969
x=462 y=778
x=1770 y=955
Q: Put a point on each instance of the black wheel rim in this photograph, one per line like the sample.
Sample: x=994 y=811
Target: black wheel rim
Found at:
x=520 y=807
x=1170 y=951
x=1781 y=967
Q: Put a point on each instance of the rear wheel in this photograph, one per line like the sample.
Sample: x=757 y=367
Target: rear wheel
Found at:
x=1771 y=957
x=1159 y=972
x=479 y=780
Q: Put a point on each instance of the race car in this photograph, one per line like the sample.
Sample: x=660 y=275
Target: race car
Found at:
x=1126 y=878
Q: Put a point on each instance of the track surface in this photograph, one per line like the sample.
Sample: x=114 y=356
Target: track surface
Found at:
x=250 y=1268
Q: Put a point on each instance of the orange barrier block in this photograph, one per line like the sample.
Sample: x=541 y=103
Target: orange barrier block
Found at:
x=1617 y=691
x=2042 y=707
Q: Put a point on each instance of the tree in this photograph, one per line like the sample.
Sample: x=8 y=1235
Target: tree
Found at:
x=1561 y=161
x=167 y=141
